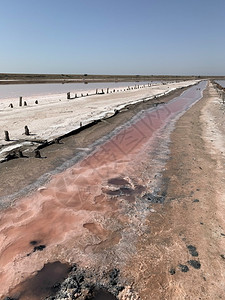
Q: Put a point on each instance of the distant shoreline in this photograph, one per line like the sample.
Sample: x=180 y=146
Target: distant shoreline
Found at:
x=8 y=78
x=53 y=81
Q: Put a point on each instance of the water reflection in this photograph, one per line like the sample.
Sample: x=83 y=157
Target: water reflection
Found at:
x=26 y=90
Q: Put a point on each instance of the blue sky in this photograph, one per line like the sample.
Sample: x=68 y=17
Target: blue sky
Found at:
x=113 y=37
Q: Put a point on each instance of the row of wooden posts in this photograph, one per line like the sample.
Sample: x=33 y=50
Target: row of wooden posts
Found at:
x=22 y=103
x=101 y=91
x=97 y=92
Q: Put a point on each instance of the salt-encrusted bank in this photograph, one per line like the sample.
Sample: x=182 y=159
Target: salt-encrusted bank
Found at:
x=55 y=115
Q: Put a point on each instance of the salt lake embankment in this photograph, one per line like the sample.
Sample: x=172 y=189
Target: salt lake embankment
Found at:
x=53 y=118
x=92 y=209
x=139 y=215
x=55 y=115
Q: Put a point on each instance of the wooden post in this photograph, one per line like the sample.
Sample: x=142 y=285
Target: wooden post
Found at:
x=10 y=105
x=21 y=101
x=80 y=124
x=68 y=95
x=36 y=101
x=75 y=95
x=96 y=92
x=7 y=139
x=27 y=132
x=25 y=103
x=103 y=92
x=81 y=95
x=37 y=154
x=107 y=90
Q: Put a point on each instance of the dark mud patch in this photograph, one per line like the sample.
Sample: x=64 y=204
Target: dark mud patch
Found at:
x=192 y=250
x=101 y=294
x=195 y=264
x=153 y=198
x=183 y=268
x=36 y=248
x=33 y=242
x=195 y=200
x=90 y=285
x=118 y=181
x=123 y=191
x=172 y=271
x=39 y=248
x=45 y=283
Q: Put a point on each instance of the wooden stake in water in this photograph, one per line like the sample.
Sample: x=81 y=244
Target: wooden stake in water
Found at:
x=21 y=101
x=68 y=95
